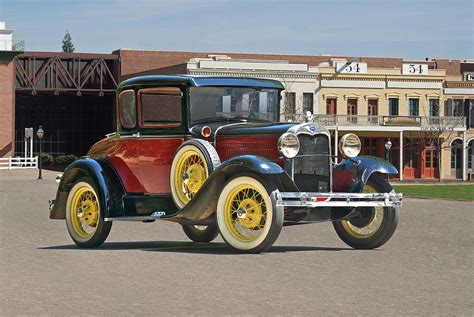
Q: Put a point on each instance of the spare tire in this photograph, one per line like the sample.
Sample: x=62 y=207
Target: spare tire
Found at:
x=192 y=164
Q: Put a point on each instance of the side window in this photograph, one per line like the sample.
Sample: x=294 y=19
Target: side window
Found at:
x=160 y=107
x=127 y=109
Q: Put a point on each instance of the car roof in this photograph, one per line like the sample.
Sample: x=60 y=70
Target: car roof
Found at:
x=200 y=81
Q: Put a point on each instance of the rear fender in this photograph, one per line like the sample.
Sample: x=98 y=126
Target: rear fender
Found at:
x=204 y=204
x=352 y=174
x=110 y=188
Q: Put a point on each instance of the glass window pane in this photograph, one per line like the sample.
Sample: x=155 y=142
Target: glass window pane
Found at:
x=128 y=115
x=413 y=107
x=307 y=102
x=393 y=106
x=236 y=102
x=161 y=106
x=434 y=107
x=458 y=107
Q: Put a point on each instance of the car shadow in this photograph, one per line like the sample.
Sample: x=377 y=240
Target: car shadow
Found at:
x=217 y=248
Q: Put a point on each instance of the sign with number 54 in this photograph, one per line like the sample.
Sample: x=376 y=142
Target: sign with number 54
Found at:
x=415 y=69
x=358 y=68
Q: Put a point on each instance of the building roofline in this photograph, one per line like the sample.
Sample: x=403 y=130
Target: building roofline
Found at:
x=68 y=55
x=256 y=53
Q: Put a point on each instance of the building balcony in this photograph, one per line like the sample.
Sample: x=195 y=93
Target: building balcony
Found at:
x=417 y=123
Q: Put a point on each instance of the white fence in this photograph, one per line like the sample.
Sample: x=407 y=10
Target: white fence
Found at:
x=18 y=162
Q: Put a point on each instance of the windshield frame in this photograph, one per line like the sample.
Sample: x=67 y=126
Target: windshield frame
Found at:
x=231 y=119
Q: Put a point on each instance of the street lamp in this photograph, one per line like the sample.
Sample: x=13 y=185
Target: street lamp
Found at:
x=388 y=146
x=40 y=134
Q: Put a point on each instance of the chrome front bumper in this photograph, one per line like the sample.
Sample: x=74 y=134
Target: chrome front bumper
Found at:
x=350 y=200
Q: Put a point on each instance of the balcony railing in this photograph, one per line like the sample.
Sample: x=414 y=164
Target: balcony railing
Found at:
x=459 y=84
x=359 y=120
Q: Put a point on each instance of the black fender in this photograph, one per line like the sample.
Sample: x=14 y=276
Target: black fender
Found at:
x=361 y=168
x=107 y=182
x=204 y=204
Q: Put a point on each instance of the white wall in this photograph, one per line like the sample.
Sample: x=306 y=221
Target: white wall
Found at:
x=6 y=38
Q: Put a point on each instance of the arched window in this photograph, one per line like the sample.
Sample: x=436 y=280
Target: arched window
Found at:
x=456 y=158
x=470 y=155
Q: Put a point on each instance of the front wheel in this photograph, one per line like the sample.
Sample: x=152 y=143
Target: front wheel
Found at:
x=374 y=226
x=84 y=219
x=247 y=218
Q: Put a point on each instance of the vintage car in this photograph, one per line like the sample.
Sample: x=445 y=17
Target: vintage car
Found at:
x=210 y=154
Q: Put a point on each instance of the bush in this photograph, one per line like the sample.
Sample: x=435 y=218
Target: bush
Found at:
x=47 y=159
x=65 y=159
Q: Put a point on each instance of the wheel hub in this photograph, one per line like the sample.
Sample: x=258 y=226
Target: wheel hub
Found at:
x=249 y=213
x=366 y=216
x=87 y=213
x=241 y=213
x=193 y=178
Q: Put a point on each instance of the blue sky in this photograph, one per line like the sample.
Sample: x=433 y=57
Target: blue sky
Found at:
x=408 y=29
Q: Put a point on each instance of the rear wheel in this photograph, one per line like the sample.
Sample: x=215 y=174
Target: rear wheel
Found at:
x=374 y=226
x=84 y=219
x=199 y=233
x=194 y=161
x=247 y=219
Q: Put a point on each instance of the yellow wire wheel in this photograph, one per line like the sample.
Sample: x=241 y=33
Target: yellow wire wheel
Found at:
x=246 y=216
x=191 y=166
x=83 y=215
x=372 y=227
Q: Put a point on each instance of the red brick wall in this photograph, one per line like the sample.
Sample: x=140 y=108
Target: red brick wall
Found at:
x=170 y=70
x=7 y=112
x=453 y=67
x=134 y=61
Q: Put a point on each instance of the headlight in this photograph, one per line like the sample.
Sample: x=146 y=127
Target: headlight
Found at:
x=349 y=145
x=288 y=145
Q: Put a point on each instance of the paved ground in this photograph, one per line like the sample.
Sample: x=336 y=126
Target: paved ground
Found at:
x=147 y=269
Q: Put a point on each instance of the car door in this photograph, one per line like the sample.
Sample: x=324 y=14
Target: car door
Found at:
x=161 y=133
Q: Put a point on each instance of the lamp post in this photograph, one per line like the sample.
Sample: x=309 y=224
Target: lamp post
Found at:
x=388 y=146
x=40 y=134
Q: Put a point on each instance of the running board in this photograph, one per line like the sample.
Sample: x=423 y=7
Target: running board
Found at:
x=132 y=218
x=157 y=215
x=162 y=216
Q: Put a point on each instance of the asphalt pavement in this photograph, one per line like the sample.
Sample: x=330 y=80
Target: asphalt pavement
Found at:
x=427 y=268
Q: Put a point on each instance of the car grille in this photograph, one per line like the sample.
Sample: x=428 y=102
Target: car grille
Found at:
x=311 y=168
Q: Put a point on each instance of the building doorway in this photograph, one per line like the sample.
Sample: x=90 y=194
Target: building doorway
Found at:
x=411 y=161
x=373 y=111
x=331 y=106
x=429 y=164
x=470 y=159
x=456 y=159
x=352 y=110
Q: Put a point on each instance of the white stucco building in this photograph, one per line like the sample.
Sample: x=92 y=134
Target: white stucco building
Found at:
x=6 y=38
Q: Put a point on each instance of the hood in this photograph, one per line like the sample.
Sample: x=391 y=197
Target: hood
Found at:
x=249 y=128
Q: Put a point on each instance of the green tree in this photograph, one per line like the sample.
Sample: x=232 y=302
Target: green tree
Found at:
x=67 y=43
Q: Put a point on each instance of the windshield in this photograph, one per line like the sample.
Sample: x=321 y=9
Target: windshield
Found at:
x=214 y=103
